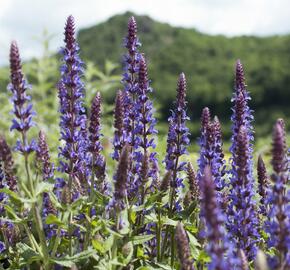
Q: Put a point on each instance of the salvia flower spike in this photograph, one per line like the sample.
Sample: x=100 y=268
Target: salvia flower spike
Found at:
x=241 y=174
x=263 y=185
x=178 y=134
x=145 y=125
x=211 y=152
x=22 y=108
x=183 y=248
x=95 y=147
x=72 y=119
x=242 y=204
x=278 y=225
x=121 y=179
x=193 y=184
x=218 y=245
x=8 y=165
x=119 y=133
x=130 y=77
x=43 y=157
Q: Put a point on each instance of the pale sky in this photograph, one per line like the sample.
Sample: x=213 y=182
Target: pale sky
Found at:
x=23 y=20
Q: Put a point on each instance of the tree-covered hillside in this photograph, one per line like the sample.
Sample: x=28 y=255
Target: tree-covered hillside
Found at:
x=208 y=62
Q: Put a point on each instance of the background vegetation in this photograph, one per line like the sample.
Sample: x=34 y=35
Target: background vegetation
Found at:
x=208 y=62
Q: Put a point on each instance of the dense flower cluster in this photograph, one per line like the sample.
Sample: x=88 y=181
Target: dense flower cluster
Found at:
x=278 y=224
x=241 y=207
x=73 y=118
x=85 y=216
x=218 y=245
x=97 y=163
x=22 y=109
x=211 y=152
x=178 y=134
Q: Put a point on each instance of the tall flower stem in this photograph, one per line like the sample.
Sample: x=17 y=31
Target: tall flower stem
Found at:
x=23 y=113
x=177 y=142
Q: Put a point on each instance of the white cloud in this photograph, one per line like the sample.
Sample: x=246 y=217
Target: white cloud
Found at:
x=25 y=19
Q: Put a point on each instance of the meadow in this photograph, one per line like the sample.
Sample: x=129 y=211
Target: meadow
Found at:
x=89 y=185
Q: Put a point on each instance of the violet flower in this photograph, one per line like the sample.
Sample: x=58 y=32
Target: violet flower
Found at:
x=278 y=225
x=2 y=195
x=22 y=108
x=95 y=147
x=43 y=157
x=144 y=127
x=119 y=133
x=211 y=152
x=8 y=165
x=47 y=170
x=242 y=220
x=178 y=134
x=263 y=185
x=121 y=178
x=72 y=119
x=218 y=246
x=183 y=248
x=194 y=191
x=202 y=160
x=241 y=207
x=130 y=78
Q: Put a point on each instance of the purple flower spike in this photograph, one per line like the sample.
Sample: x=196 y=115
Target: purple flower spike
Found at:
x=43 y=157
x=178 y=133
x=130 y=78
x=211 y=152
x=8 y=168
x=2 y=195
x=22 y=108
x=119 y=134
x=97 y=159
x=240 y=77
x=241 y=205
x=121 y=179
x=72 y=119
x=183 y=248
x=263 y=186
x=218 y=246
x=144 y=127
x=193 y=184
x=278 y=225
x=241 y=208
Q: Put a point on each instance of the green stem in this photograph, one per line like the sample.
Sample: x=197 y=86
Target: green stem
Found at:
x=91 y=200
x=172 y=248
x=158 y=236
x=37 y=218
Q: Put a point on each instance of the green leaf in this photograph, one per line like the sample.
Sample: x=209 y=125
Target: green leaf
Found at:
x=194 y=245
x=15 y=197
x=63 y=262
x=55 y=201
x=98 y=246
x=140 y=239
x=13 y=215
x=68 y=261
x=163 y=266
x=109 y=243
x=170 y=222
x=52 y=219
x=27 y=253
x=43 y=187
x=203 y=257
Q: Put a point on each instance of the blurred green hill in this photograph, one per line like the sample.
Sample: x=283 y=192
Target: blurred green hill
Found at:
x=208 y=62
